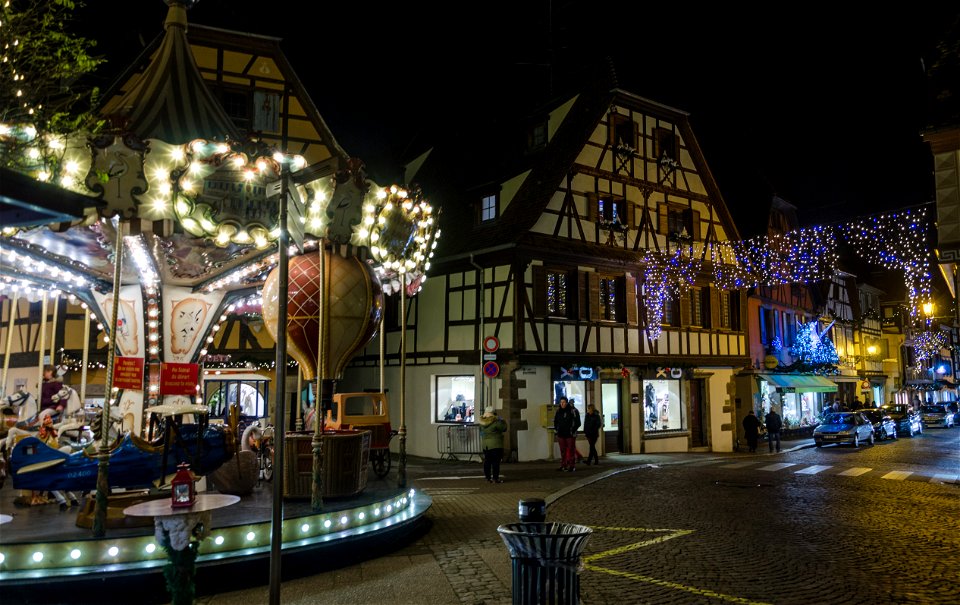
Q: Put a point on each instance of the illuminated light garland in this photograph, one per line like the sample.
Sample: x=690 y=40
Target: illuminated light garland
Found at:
x=927 y=343
x=401 y=230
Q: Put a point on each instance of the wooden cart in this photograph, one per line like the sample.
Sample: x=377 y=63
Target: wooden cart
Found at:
x=365 y=412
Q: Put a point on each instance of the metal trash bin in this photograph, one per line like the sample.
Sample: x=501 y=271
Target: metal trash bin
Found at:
x=532 y=510
x=545 y=559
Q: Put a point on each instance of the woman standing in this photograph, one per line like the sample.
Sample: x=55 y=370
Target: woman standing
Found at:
x=492 y=428
x=591 y=428
x=565 y=424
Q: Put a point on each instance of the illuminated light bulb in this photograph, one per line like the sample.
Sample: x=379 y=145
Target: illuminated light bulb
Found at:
x=33 y=153
x=37 y=557
x=389 y=508
x=344 y=520
x=218 y=540
x=249 y=175
x=376 y=511
x=75 y=554
x=250 y=536
x=150 y=548
x=361 y=516
x=177 y=153
x=305 y=528
x=222 y=148
x=298 y=162
x=113 y=551
x=327 y=523
x=68 y=181
x=43 y=175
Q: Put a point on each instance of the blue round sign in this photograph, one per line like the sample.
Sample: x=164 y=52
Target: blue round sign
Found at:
x=491 y=369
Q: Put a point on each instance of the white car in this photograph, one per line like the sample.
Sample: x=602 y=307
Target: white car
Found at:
x=844 y=427
x=936 y=414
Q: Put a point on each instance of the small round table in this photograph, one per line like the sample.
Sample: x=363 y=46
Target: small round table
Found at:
x=180 y=531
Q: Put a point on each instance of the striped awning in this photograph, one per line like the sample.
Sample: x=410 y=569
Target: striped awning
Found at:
x=801 y=383
x=171 y=101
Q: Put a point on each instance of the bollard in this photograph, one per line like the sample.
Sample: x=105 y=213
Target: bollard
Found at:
x=545 y=560
x=533 y=510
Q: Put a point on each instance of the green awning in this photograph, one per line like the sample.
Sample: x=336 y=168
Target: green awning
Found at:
x=801 y=383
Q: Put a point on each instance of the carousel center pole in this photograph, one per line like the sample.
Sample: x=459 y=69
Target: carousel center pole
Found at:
x=86 y=357
x=103 y=455
x=322 y=397
x=43 y=345
x=402 y=433
x=276 y=527
x=6 y=357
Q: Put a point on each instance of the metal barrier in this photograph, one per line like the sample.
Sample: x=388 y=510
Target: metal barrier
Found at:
x=459 y=439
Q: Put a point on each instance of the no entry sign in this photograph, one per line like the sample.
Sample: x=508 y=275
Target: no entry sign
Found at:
x=491 y=344
x=491 y=369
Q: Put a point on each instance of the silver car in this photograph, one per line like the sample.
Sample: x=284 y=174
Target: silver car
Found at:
x=844 y=427
x=936 y=414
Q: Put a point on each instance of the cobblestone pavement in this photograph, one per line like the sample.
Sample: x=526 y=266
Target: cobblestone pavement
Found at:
x=681 y=528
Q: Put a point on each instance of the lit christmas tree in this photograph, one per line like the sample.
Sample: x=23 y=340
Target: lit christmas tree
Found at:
x=813 y=351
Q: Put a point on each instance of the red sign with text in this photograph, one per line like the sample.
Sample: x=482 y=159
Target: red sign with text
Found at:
x=179 y=378
x=128 y=373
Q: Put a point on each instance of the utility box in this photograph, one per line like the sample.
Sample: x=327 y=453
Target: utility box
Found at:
x=547 y=412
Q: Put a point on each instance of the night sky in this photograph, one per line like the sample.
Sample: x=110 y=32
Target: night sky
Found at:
x=822 y=108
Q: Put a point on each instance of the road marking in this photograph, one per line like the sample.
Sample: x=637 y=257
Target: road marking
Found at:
x=776 y=467
x=812 y=470
x=855 y=471
x=676 y=533
x=739 y=464
x=449 y=478
x=706 y=462
x=897 y=475
x=944 y=477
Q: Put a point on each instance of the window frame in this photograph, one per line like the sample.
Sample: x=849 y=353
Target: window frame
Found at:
x=442 y=404
x=483 y=207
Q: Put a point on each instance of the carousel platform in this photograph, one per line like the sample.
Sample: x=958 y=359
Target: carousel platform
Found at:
x=45 y=557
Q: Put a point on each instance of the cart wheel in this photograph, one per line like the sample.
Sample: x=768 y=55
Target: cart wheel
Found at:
x=381 y=462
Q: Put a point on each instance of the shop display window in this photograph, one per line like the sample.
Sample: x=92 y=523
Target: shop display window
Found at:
x=662 y=407
x=454 y=398
x=575 y=391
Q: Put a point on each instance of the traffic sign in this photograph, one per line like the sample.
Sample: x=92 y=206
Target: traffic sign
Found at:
x=491 y=369
x=491 y=344
x=489 y=356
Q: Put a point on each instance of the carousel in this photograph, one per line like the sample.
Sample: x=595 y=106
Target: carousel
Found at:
x=178 y=222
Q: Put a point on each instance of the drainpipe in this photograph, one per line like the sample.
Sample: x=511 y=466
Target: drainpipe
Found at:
x=483 y=380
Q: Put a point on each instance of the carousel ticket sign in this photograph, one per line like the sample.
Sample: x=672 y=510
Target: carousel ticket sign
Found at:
x=179 y=378
x=128 y=373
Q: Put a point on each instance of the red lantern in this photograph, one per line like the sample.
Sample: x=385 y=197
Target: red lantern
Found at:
x=183 y=490
x=356 y=305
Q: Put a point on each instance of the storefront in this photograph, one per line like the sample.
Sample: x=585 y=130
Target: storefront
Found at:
x=800 y=398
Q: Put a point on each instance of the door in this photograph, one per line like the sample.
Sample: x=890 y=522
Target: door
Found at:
x=612 y=415
x=698 y=413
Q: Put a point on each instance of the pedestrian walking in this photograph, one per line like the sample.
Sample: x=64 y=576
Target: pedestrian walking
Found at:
x=751 y=428
x=774 y=424
x=492 y=428
x=566 y=422
x=591 y=428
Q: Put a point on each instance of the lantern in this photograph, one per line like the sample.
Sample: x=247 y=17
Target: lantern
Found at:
x=183 y=491
x=356 y=306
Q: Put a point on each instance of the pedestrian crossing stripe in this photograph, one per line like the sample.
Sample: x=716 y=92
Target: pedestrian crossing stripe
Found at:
x=779 y=466
x=589 y=564
x=855 y=471
x=897 y=475
x=813 y=470
x=943 y=477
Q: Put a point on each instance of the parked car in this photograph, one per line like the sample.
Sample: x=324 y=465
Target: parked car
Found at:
x=907 y=419
x=936 y=414
x=844 y=427
x=884 y=426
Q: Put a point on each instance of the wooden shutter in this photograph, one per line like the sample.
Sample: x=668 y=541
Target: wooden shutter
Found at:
x=583 y=308
x=592 y=203
x=662 y=214
x=695 y=226
x=714 y=300
x=684 y=319
x=631 y=213
x=593 y=296
x=539 y=291
x=630 y=298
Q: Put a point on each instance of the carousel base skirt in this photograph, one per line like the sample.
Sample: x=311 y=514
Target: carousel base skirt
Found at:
x=45 y=556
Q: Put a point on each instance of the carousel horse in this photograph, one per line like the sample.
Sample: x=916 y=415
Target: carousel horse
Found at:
x=11 y=406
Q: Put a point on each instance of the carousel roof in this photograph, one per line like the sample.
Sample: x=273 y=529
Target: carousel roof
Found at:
x=171 y=102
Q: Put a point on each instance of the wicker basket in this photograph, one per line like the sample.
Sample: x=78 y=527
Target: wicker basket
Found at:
x=346 y=455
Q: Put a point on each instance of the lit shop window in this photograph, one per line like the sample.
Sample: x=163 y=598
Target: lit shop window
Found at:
x=454 y=397
x=662 y=408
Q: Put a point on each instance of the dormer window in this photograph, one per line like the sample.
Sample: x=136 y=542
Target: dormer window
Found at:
x=623 y=133
x=666 y=147
x=489 y=207
x=537 y=137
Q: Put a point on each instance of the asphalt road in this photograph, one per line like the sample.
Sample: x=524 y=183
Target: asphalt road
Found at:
x=877 y=524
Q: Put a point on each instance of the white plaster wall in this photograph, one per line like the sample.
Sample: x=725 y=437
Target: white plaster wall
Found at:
x=720 y=440
x=535 y=443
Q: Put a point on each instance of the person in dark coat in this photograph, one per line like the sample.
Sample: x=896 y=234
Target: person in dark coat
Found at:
x=592 y=424
x=492 y=428
x=751 y=428
x=566 y=422
x=774 y=424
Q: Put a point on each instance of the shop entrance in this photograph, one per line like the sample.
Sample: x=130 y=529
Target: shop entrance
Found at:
x=698 y=413
x=612 y=416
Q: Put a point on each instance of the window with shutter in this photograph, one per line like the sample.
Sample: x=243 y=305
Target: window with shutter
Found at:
x=593 y=298
x=539 y=291
x=630 y=300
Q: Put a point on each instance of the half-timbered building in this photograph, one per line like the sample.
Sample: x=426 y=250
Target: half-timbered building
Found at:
x=559 y=230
